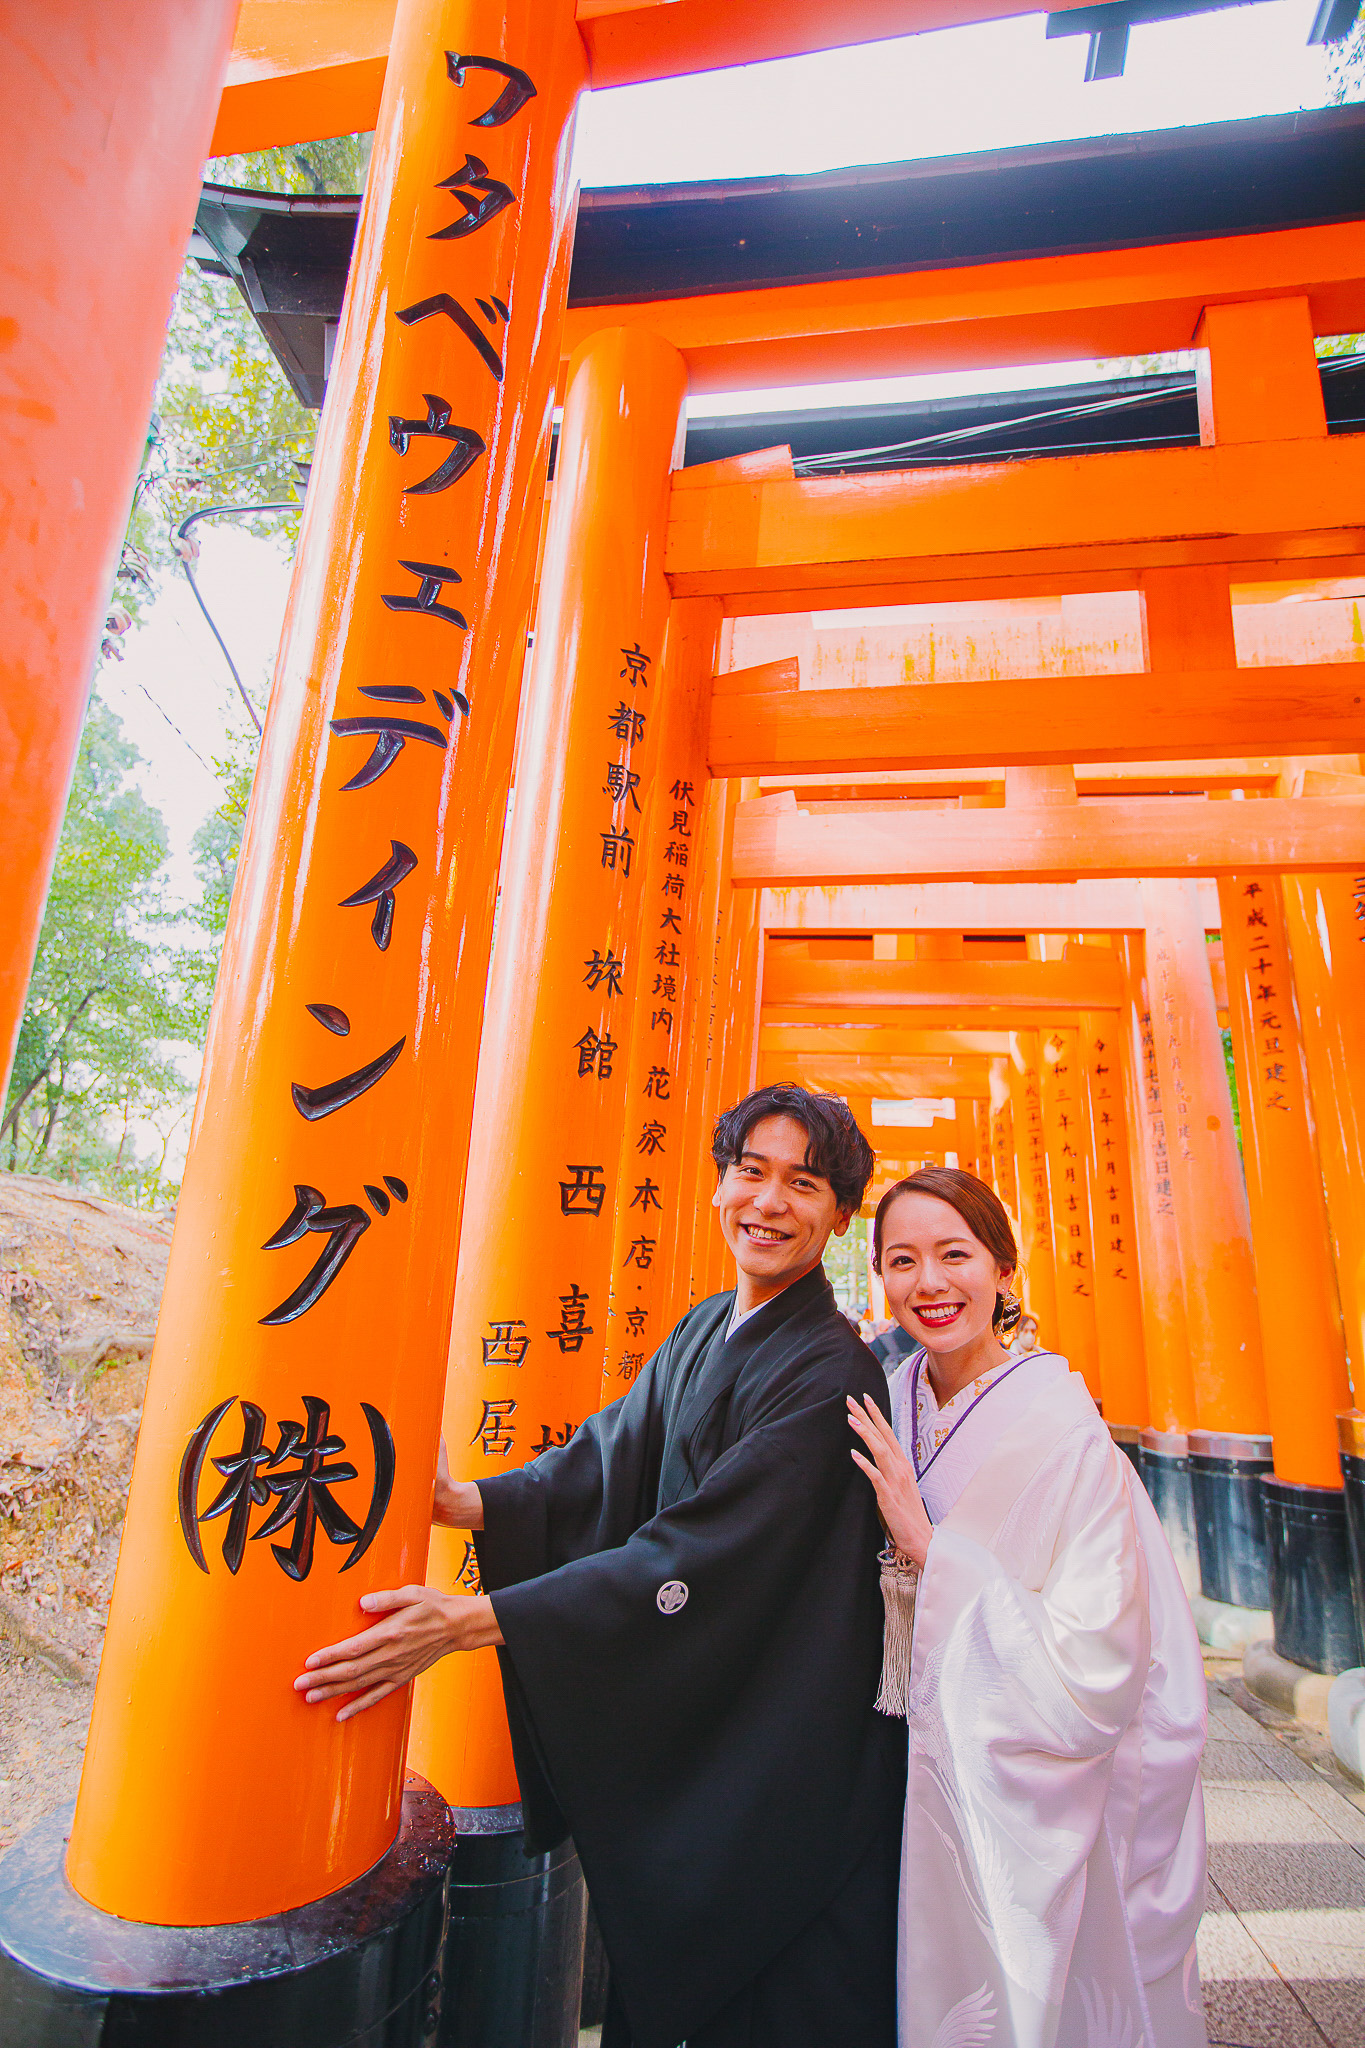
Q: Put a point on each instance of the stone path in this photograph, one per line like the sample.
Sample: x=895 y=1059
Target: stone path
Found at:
x=1282 y=1947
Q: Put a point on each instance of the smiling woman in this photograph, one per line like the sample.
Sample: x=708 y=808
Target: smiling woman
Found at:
x=1053 y=1687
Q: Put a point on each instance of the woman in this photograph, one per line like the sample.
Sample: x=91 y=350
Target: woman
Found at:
x=1052 y=1872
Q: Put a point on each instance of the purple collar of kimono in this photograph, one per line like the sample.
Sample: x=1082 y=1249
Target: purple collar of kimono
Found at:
x=970 y=1409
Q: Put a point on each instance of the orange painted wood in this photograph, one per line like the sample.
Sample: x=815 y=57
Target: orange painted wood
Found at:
x=548 y=1097
x=767 y=679
x=1205 y=1181
x=1143 y=836
x=1094 y=513
x=888 y=1079
x=963 y=907
x=1109 y=302
x=879 y=1041
x=1170 y=1381
x=856 y=985
x=1066 y=1141
x=1318 y=708
x=1113 y=1229
x=1039 y=1289
x=195 y=1698
x=1257 y=376
x=1296 y=1286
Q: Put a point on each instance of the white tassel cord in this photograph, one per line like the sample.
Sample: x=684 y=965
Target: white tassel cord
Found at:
x=900 y=1577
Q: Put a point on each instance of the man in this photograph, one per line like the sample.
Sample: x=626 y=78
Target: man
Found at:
x=688 y=1606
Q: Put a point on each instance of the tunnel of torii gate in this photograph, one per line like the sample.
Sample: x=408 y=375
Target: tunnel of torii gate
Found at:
x=982 y=761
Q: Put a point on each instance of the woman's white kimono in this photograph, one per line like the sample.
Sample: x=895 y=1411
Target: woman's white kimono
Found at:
x=1052 y=1877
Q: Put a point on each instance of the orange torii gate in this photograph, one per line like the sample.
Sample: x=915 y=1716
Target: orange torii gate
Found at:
x=194 y=1700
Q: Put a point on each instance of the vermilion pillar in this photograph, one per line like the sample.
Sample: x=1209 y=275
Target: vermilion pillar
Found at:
x=1325 y=917
x=105 y=116
x=1035 y=1213
x=1305 y=1355
x=289 y=1436
x=572 y=964
x=1164 y=1448
x=1066 y=1138
x=651 y=1183
x=1118 y=1281
x=1305 y=1352
x=1170 y=1381
x=1205 y=1173
x=1003 y=1169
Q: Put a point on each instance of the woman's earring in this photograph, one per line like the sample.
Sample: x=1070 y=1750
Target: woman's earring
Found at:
x=1008 y=1310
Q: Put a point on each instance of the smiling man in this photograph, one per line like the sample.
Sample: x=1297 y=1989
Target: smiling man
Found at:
x=688 y=1606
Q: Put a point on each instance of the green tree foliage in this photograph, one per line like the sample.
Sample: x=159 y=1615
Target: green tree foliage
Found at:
x=226 y=426
x=110 y=997
x=121 y=987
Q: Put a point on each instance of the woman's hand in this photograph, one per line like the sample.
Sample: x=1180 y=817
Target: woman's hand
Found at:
x=893 y=1481
x=419 y=1626
x=456 y=1503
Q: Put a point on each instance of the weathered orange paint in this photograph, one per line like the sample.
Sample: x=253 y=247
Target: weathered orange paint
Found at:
x=1207 y=1189
x=105 y=122
x=528 y=1328
x=1118 y=1278
x=1296 y=1289
x=196 y=1707
x=1323 y=915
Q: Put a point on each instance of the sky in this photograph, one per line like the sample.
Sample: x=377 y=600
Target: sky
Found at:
x=995 y=86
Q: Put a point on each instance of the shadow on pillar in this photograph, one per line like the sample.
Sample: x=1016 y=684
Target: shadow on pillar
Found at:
x=1164 y=1463
x=514 y=1952
x=1310 y=1576
x=1226 y=1474
x=358 y=1969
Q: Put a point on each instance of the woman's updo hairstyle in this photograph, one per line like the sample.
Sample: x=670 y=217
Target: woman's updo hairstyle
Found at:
x=980 y=1208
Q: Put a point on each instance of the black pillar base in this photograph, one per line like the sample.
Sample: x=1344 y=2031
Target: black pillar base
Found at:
x=1129 y=1441
x=1164 y=1463
x=514 y=1953
x=1353 y=1478
x=1225 y=1475
x=1310 y=1576
x=358 y=1969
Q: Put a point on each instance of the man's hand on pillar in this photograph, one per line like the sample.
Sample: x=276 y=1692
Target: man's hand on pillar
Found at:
x=456 y=1503
x=419 y=1626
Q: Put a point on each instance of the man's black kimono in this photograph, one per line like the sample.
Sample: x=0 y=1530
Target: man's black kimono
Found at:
x=689 y=1597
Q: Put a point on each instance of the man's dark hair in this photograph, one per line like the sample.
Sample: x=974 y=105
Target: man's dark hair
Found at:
x=835 y=1148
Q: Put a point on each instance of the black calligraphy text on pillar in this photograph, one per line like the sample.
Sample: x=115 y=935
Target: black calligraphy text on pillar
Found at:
x=301 y=1471
x=388 y=722
x=1268 y=976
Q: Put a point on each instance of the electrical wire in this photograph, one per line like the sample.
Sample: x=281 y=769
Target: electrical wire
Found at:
x=181 y=533
x=870 y=458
